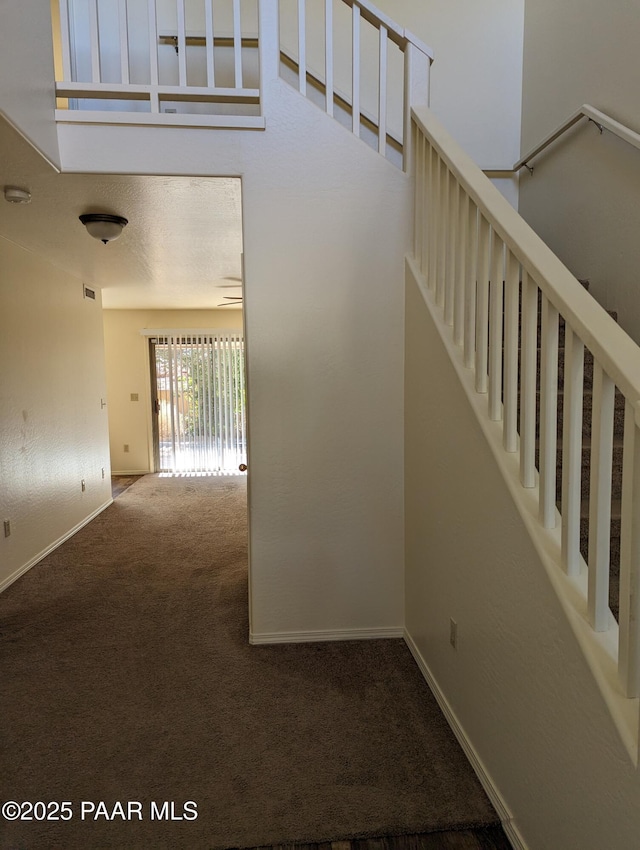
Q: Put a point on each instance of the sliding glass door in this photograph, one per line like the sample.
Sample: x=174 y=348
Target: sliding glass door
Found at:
x=199 y=402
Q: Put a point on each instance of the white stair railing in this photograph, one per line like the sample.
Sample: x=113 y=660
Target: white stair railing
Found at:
x=190 y=62
x=474 y=253
x=357 y=64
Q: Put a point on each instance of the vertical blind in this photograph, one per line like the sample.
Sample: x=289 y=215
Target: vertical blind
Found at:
x=200 y=402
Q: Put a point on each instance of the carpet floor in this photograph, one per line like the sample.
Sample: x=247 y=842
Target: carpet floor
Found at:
x=127 y=677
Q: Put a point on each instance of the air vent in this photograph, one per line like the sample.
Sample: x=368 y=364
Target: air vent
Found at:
x=89 y=293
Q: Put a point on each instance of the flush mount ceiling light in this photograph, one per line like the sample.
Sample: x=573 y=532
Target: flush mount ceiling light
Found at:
x=16 y=196
x=103 y=226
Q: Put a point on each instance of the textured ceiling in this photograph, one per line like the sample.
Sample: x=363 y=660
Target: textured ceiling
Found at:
x=182 y=248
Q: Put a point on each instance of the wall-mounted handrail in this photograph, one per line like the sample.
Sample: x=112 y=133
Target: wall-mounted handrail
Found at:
x=600 y=119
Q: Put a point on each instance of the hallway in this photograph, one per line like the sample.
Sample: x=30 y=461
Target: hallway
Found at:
x=128 y=677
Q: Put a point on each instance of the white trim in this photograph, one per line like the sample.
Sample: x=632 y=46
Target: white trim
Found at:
x=508 y=823
x=161 y=119
x=128 y=91
x=26 y=567
x=131 y=472
x=321 y=636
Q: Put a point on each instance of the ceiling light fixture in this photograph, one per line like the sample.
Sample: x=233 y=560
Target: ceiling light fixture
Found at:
x=16 y=196
x=103 y=226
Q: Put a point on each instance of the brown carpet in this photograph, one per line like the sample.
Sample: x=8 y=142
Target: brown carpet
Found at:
x=126 y=675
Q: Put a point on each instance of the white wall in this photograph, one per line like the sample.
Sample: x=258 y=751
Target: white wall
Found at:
x=26 y=58
x=127 y=371
x=476 y=78
x=518 y=683
x=584 y=196
x=53 y=431
x=326 y=226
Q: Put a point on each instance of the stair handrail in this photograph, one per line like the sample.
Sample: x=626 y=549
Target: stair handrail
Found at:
x=600 y=119
x=467 y=237
x=399 y=34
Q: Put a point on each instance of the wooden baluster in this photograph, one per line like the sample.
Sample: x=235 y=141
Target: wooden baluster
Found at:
x=462 y=259
x=65 y=41
x=470 y=285
x=452 y=235
x=572 y=412
x=209 y=39
x=434 y=212
x=510 y=392
x=548 y=413
x=153 y=55
x=182 y=44
x=452 y=256
x=419 y=197
x=629 y=616
x=529 y=357
x=302 y=47
x=441 y=282
x=123 y=27
x=237 y=44
x=328 y=55
x=382 y=93
x=496 y=288
x=482 y=306
x=355 y=75
x=600 y=498
x=94 y=37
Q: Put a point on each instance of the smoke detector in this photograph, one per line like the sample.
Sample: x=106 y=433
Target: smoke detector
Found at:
x=14 y=195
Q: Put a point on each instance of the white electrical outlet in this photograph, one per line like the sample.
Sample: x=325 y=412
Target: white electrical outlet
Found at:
x=453 y=633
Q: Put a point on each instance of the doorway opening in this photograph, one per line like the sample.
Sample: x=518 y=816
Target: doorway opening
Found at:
x=199 y=402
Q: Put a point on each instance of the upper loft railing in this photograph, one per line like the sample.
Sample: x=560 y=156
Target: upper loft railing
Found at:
x=198 y=63
x=490 y=278
x=358 y=65
x=186 y=62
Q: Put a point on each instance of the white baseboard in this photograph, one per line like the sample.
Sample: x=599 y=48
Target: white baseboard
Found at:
x=508 y=824
x=26 y=567
x=317 y=637
x=130 y=472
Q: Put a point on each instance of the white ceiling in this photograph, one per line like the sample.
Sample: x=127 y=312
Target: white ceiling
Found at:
x=182 y=248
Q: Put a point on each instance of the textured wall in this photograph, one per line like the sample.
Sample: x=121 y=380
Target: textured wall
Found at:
x=518 y=683
x=326 y=226
x=127 y=364
x=476 y=79
x=584 y=197
x=53 y=431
